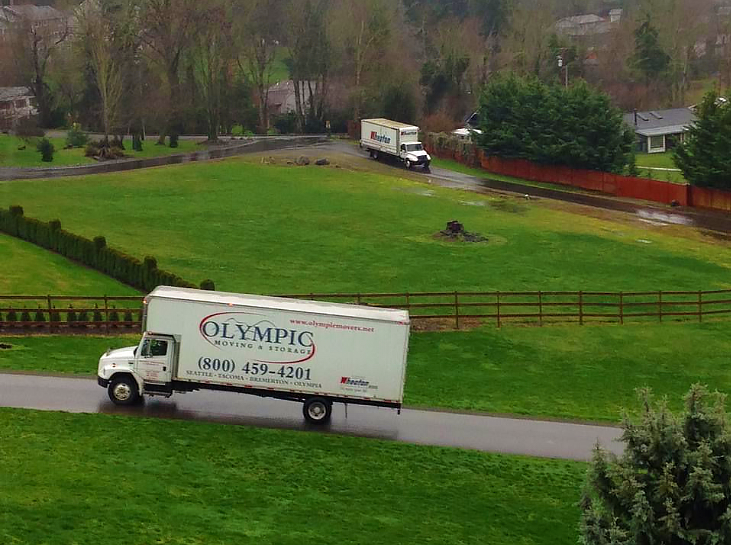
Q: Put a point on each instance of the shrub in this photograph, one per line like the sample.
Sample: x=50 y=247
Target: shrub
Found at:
x=128 y=316
x=81 y=318
x=114 y=317
x=174 y=140
x=46 y=149
x=75 y=137
x=136 y=142
x=286 y=124
x=237 y=130
x=40 y=316
x=53 y=316
x=25 y=317
x=93 y=253
x=672 y=483
x=439 y=122
x=97 y=314
x=92 y=149
x=12 y=316
x=208 y=285
x=118 y=142
x=71 y=317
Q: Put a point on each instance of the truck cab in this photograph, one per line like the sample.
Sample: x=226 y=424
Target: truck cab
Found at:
x=147 y=368
x=413 y=153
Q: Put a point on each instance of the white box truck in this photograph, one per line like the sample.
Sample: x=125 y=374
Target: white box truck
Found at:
x=316 y=353
x=384 y=137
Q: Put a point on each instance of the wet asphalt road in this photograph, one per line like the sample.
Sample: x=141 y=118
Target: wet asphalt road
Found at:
x=486 y=433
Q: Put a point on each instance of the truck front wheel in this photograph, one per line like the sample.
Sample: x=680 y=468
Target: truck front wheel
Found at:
x=123 y=391
x=317 y=410
x=407 y=164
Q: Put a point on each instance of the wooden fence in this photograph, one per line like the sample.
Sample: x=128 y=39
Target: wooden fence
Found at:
x=427 y=310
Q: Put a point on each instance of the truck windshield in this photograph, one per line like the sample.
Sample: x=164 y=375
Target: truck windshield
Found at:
x=414 y=147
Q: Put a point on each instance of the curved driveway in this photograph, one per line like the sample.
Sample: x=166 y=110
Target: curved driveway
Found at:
x=486 y=433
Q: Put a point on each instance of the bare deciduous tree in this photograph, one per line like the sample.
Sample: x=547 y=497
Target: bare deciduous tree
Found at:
x=167 y=29
x=361 y=31
x=97 y=31
x=258 y=32
x=32 y=45
x=211 y=53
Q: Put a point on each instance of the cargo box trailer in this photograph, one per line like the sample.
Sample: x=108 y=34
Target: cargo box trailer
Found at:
x=385 y=137
x=312 y=352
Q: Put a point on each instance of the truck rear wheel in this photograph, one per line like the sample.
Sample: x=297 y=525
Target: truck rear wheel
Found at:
x=317 y=410
x=123 y=391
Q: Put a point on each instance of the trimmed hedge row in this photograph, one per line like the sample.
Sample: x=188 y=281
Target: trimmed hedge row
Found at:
x=143 y=275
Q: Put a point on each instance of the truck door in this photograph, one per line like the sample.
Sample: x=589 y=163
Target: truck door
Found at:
x=155 y=359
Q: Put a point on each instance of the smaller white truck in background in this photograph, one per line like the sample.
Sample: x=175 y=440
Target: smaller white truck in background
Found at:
x=313 y=352
x=385 y=137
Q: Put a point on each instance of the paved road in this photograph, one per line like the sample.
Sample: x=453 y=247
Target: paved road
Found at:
x=492 y=434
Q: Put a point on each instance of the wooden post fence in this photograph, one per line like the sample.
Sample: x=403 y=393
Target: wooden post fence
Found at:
x=55 y=314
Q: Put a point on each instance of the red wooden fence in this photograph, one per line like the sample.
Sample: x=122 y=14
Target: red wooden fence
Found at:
x=604 y=182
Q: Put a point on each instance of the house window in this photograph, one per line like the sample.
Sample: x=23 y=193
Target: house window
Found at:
x=20 y=103
x=4 y=105
x=657 y=142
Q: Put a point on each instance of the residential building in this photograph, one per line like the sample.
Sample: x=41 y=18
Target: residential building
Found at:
x=16 y=103
x=659 y=130
x=281 y=97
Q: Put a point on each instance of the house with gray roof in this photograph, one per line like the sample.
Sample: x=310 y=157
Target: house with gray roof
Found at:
x=659 y=130
x=16 y=104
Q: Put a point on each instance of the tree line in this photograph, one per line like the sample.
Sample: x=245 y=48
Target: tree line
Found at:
x=173 y=66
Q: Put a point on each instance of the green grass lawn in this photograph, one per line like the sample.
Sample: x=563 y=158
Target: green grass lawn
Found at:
x=257 y=228
x=659 y=160
x=573 y=372
x=90 y=479
x=30 y=270
x=11 y=156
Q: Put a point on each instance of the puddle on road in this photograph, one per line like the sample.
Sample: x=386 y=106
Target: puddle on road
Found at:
x=656 y=217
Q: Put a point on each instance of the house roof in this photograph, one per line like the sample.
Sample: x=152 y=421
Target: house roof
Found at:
x=658 y=122
x=31 y=13
x=11 y=93
x=587 y=19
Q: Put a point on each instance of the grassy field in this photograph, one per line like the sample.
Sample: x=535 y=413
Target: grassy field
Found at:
x=11 y=156
x=30 y=270
x=659 y=160
x=90 y=479
x=261 y=228
x=562 y=372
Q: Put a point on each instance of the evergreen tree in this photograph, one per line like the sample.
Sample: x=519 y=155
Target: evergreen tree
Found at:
x=672 y=485
x=649 y=57
x=575 y=127
x=704 y=157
